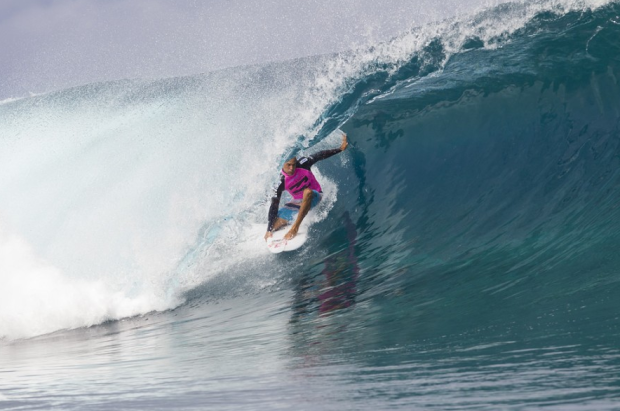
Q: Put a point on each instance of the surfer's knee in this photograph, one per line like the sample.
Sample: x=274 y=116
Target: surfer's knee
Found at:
x=279 y=223
x=308 y=194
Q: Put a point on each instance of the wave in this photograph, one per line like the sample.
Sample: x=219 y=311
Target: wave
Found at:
x=492 y=185
x=483 y=152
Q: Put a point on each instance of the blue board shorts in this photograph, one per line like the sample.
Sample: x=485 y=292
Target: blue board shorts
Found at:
x=290 y=209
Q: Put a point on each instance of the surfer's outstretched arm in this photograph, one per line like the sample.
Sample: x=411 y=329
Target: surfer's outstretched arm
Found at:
x=322 y=155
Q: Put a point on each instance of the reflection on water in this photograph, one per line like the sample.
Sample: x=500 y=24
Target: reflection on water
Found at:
x=336 y=286
x=340 y=272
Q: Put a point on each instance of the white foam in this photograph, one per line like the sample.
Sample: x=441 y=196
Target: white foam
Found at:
x=10 y=100
x=38 y=298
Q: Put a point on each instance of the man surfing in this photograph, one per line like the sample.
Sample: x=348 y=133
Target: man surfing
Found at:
x=298 y=180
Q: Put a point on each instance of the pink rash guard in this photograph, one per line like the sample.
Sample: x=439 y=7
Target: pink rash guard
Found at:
x=299 y=181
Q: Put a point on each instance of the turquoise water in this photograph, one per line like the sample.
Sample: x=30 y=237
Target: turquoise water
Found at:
x=465 y=256
x=247 y=353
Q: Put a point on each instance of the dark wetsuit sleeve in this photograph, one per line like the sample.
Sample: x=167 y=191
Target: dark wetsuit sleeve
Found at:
x=321 y=155
x=275 y=202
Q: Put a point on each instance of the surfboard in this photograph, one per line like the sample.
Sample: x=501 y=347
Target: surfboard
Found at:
x=277 y=243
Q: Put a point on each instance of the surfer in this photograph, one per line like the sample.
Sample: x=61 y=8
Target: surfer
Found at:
x=298 y=180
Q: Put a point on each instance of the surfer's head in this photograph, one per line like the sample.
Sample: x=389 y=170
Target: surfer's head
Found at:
x=290 y=166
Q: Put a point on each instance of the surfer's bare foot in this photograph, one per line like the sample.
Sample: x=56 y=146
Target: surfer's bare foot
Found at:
x=291 y=233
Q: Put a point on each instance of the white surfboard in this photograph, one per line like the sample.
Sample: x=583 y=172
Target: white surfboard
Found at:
x=277 y=244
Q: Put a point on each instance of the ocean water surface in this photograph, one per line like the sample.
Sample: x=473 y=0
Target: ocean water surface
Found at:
x=465 y=256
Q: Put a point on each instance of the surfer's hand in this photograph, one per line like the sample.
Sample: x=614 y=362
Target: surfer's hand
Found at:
x=345 y=143
x=268 y=235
